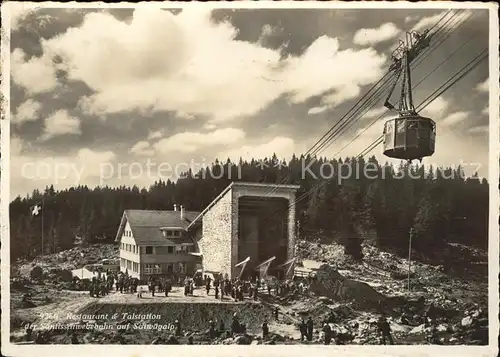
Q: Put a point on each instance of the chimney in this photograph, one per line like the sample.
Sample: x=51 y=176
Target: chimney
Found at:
x=182 y=212
x=175 y=207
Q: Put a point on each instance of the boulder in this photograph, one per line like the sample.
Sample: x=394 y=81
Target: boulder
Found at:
x=243 y=340
x=65 y=275
x=330 y=283
x=36 y=273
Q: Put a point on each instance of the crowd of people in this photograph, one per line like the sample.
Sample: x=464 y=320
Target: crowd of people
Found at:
x=237 y=289
x=218 y=286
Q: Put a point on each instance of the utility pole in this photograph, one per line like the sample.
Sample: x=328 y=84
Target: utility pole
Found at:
x=409 y=257
x=43 y=209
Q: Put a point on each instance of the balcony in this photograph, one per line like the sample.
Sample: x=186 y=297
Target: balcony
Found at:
x=169 y=258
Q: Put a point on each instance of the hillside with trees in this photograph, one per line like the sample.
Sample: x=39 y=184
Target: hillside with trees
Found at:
x=441 y=204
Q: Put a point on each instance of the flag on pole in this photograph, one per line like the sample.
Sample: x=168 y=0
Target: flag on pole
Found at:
x=36 y=209
x=264 y=267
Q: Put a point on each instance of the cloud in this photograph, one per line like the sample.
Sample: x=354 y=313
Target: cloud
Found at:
x=437 y=107
x=283 y=147
x=323 y=67
x=375 y=112
x=18 y=11
x=267 y=31
x=410 y=18
x=455 y=118
x=60 y=123
x=212 y=74
x=95 y=158
x=209 y=126
x=189 y=142
x=373 y=36
x=155 y=135
x=36 y=75
x=29 y=171
x=443 y=18
x=484 y=86
x=27 y=111
x=317 y=110
x=143 y=148
x=428 y=21
x=478 y=129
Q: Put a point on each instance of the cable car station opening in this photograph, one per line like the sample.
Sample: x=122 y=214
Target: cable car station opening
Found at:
x=247 y=225
x=262 y=233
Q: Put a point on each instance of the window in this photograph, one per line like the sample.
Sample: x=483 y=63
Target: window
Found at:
x=157 y=269
x=178 y=248
x=412 y=124
x=182 y=267
x=149 y=250
x=167 y=267
x=400 y=125
x=170 y=249
x=388 y=127
x=148 y=268
x=171 y=233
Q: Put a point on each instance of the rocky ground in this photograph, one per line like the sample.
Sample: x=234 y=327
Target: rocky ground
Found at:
x=345 y=294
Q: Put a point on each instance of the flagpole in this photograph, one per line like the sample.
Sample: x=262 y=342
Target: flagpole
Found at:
x=43 y=209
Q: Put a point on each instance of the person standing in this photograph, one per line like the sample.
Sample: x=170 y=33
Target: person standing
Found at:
x=310 y=328
x=211 y=329
x=328 y=333
x=303 y=330
x=168 y=287
x=235 y=324
x=177 y=328
x=385 y=330
x=265 y=330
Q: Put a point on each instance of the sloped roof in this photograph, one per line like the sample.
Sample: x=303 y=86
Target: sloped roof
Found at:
x=150 y=218
x=146 y=224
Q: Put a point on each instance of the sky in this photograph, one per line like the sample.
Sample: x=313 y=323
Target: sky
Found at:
x=124 y=96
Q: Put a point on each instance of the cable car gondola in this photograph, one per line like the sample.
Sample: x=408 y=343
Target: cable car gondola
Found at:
x=409 y=136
